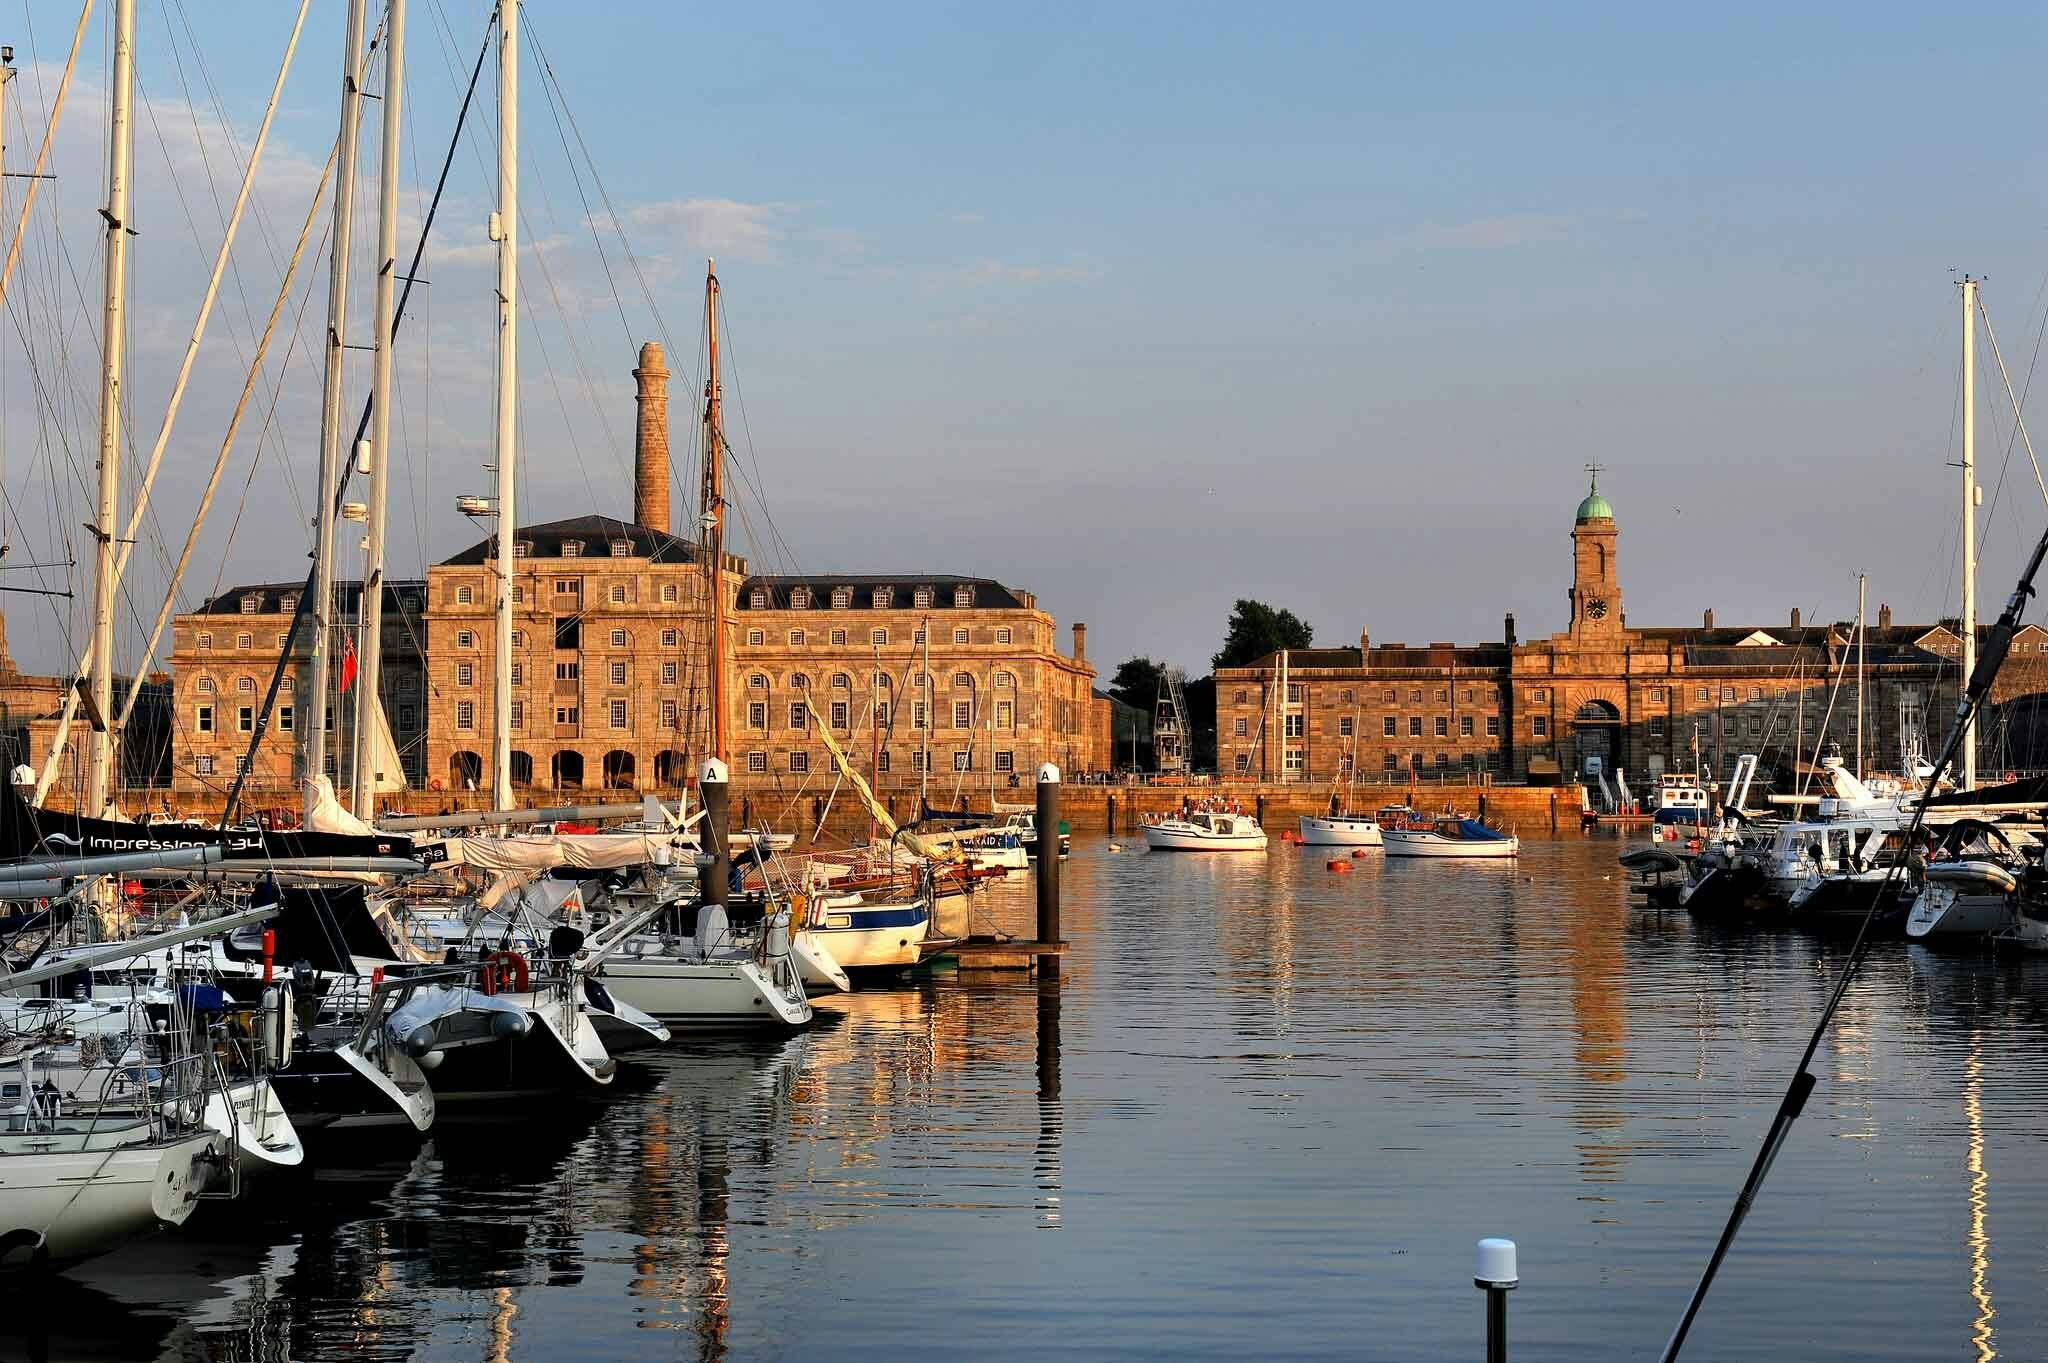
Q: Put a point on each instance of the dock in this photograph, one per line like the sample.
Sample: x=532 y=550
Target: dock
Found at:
x=986 y=952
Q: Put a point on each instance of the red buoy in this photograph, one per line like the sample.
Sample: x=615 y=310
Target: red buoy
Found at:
x=1339 y=865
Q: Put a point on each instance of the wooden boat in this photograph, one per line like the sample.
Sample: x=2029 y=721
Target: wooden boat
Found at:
x=1451 y=837
x=1339 y=830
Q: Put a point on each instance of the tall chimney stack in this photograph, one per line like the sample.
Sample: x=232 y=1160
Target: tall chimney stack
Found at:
x=1080 y=643
x=1795 y=617
x=650 y=441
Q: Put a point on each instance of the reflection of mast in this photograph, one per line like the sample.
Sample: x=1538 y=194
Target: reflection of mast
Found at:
x=713 y=1206
x=503 y=1310
x=1051 y=1119
x=1979 y=1242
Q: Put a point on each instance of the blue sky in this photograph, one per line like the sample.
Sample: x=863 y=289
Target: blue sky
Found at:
x=1145 y=308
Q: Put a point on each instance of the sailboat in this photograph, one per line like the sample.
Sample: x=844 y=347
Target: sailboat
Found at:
x=1341 y=827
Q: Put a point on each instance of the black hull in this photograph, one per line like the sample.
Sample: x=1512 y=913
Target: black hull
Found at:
x=527 y=1069
x=325 y=1096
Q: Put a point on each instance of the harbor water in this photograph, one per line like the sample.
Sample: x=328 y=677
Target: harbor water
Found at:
x=1265 y=1112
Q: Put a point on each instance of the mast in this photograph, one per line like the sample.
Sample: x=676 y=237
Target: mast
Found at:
x=1969 y=630
x=924 y=775
x=313 y=732
x=369 y=707
x=1862 y=587
x=114 y=343
x=505 y=230
x=713 y=513
x=875 y=723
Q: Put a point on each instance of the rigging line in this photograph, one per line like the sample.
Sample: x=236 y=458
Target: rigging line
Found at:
x=170 y=417
x=740 y=397
x=2019 y=423
x=589 y=218
x=1975 y=691
x=362 y=424
x=28 y=200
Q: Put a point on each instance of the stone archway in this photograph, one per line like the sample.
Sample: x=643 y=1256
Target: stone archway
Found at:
x=1596 y=740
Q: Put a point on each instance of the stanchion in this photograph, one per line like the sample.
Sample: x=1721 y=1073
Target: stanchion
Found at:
x=1496 y=1276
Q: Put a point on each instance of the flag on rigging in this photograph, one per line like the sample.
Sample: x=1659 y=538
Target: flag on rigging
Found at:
x=348 y=665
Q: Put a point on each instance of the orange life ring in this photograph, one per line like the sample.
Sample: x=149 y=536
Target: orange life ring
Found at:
x=506 y=970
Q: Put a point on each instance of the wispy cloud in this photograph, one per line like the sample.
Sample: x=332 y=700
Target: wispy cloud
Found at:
x=752 y=232
x=1493 y=234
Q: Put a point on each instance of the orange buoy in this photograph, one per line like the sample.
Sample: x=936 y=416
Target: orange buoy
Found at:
x=1358 y=855
x=1339 y=865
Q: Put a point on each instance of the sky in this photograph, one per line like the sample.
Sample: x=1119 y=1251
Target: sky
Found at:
x=1141 y=308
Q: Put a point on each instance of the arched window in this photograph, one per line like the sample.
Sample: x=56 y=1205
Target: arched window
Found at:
x=1005 y=679
x=464 y=595
x=962 y=679
x=841 y=682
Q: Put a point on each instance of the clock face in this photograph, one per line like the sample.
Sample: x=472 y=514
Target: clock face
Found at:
x=1596 y=609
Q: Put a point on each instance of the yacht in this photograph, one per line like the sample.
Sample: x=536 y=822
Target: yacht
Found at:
x=1969 y=886
x=1205 y=830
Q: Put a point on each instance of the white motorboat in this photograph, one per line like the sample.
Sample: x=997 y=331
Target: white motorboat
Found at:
x=1451 y=837
x=1205 y=830
x=1339 y=830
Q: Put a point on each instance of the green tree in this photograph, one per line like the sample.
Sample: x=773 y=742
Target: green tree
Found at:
x=1256 y=629
x=1136 y=683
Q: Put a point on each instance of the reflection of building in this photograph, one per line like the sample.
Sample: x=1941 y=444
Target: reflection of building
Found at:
x=1603 y=696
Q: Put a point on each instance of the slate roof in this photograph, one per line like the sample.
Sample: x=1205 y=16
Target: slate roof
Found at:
x=270 y=596
x=988 y=594
x=594 y=535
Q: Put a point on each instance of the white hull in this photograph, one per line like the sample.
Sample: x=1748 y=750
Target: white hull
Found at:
x=878 y=948
x=60 y=1206
x=815 y=963
x=1405 y=842
x=262 y=1132
x=715 y=993
x=998 y=858
x=1339 y=832
x=1942 y=912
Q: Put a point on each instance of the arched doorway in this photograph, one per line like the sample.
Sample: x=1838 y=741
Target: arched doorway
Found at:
x=465 y=770
x=522 y=767
x=670 y=767
x=618 y=770
x=1596 y=736
x=565 y=769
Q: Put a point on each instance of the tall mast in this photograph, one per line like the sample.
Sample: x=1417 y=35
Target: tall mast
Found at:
x=313 y=728
x=1862 y=588
x=1969 y=523
x=713 y=513
x=505 y=224
x=114 y=340
x=929 y=691
x=369 y=708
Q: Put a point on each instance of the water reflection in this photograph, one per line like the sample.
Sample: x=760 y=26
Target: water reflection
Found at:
x=1279 y=1093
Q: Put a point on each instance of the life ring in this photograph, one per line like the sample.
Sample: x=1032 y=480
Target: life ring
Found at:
x=506 y=970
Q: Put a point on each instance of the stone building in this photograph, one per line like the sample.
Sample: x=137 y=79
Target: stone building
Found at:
x=1602 y=696
x=222 y=658
x=610 y=665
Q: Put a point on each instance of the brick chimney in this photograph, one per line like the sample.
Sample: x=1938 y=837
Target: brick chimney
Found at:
x=650 y=441
x=1884 y=616
x=1508 y=629
x=1795 y=617
x=1364 y=640
x=1080 y=642
x=1709 y=620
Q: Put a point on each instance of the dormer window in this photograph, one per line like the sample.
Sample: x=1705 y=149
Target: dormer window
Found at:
x=963 y=597
x=842 y=598
x=757 y=599
x=522 y=549
x=922 y=598
x=884 y=598
x=288 y=602
x=250 y=604
x=799 y=598
x=622 y=548
x=572 y=548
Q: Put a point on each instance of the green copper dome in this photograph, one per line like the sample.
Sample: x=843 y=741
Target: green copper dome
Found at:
x=1595 y=506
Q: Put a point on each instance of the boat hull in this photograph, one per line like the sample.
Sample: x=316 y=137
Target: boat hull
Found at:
x=1948 y=912
x=1339 y=832
x=1173 y=840
x=684 y=993
x=261 y=1129
x=1403 y=842
x=64 y=1205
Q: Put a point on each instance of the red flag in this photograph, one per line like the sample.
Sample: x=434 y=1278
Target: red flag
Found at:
x=348 y=665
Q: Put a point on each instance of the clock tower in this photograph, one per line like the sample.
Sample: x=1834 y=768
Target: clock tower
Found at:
x=1596 y=590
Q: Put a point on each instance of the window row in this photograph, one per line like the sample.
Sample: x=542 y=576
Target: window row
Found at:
x=842 y=597
x=878 y=637
x=919 y=681
x=799 y=760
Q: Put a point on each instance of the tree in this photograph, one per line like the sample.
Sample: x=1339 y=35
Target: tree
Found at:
x=1136 y=683
x=1256 y=629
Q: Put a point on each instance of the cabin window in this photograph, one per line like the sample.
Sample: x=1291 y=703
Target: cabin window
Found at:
x=842 y=598
x=572 y=548
x=757 y=599
x=622 y=548
x=799 y=598
x=250 y=604
x=522 y=549
x=921 y=599
x=883 y=598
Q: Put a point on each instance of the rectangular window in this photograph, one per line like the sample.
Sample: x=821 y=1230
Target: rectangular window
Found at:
x=519 y=674
x=917 y=714
x=245 y=719
x=916 y=638
x=1344 y=727
x=205 y=641
x=465 y=639
x=1006 y=760
x=839 y=638
x=756 y=637
x=1005 y=713
x=1003 y=637
x=796 y=638
x=203 y=765
x=1656 y=695
x=1728 y=695
x=1443 y=726
x=668 y=674
x=798 y=717
x=519 y=714
x=465 y=714
x=839 y=714
x=465 y=674
x=1540 y=726
x=567 y=671
x=284 y=719
x=1539 y=694
x=618 y=714
x=882 y=714
x=568 y=631
x=1656 y=726
x=917 y=760
x=878 y=636
x=1389 y=726
x=757 y=761
x=566 y=714
x=963 y=761
x=1244 y=763
x=202 y=719
x=757 y=715
x=963 y=714
x=1294 y=726
x=1242 y=728
x=1415 y=726
x=668 y=638
x=668 y=714
x=799 y=762
x=882 y=760
x=1464 y=726
x=668 y=592
x=618 y=638
x=1493 y=726
x=1294 y=693
x=618 y=674
x=959 y=636
x=1291 y=760
x=1704 y=696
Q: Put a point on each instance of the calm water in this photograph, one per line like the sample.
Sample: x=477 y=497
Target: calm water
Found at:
x=1265 y=1115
